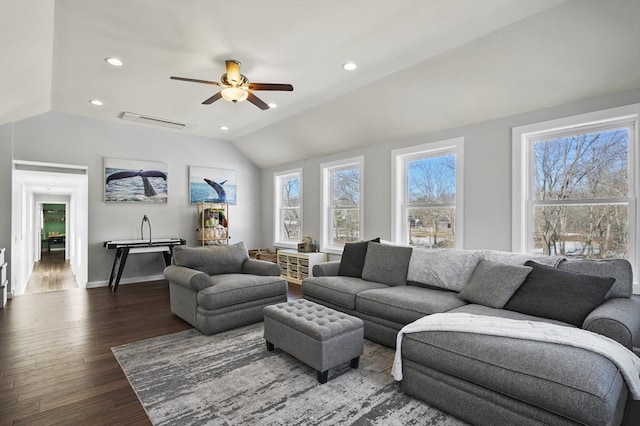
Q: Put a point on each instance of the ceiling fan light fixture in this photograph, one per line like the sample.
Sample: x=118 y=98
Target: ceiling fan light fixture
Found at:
x=234 y=94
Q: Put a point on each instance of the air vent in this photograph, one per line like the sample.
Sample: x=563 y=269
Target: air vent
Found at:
x=139 y=118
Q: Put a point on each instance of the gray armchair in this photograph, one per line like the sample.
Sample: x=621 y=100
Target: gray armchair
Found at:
x=217 y=288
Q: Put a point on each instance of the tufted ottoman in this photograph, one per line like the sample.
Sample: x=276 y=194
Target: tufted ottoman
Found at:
x=316 y=335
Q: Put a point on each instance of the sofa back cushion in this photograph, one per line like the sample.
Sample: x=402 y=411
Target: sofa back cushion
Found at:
x=353 y=257
x=620 y=269
x=212 y=260
x=386 y=264
x=561 y=295
x=449 y=269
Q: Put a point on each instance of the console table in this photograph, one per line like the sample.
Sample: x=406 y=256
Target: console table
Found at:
x=125 y=247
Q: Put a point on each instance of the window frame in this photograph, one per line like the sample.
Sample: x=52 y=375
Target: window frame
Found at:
x=399 y=161
x=523 y=138
x=327 y=170
x=278 y=178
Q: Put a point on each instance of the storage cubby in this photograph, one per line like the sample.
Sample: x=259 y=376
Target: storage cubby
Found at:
x=297 y=266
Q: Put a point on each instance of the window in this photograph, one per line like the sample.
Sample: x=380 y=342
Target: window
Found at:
x=288 y=208
x=342 y=203
x=577 y=189
x=428 y=194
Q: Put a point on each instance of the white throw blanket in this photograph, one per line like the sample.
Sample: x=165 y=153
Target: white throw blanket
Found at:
x=626 y=361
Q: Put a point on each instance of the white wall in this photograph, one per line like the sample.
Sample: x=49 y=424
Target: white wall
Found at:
x=487 y=177
x=6 y=156
x=69 y=139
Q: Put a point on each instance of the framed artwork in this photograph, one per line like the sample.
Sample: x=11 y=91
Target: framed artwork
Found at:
x=211 y=185
x=135 y=181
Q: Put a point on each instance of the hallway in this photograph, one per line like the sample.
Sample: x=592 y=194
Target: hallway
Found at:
x=51 y=273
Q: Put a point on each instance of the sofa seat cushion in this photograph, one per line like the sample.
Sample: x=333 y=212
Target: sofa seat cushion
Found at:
x=339 y=291
x=476 y=309
x=405 y=304
x=574 y=383
x=232 y=289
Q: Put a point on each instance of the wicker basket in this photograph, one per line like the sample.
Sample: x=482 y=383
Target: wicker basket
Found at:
x=263 y=254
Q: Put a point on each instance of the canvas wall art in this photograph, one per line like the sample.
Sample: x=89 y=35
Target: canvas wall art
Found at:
x=135 y=181
x=212 y=185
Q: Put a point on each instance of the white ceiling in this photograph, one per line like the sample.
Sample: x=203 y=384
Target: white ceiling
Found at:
x=423 y=65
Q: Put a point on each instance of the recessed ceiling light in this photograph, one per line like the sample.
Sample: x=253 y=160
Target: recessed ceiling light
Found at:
x=272 y=105
x=96 y=102
x=224 y=128
x=349 y=66
x=114 y=61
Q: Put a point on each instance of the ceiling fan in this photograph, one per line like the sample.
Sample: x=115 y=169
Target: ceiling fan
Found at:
x=236 y=87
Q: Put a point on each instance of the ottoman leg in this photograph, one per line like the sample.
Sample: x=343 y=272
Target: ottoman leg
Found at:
x=355 y=362
x=270 y=346
x=323 y=376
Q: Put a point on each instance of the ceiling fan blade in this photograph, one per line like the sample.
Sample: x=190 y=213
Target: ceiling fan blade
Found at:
x=271 y=86
x=257 y=101
x=193 y=80
x=233 y=72
x=212 y=99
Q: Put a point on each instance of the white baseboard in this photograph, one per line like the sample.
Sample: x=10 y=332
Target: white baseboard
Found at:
x=94 y=284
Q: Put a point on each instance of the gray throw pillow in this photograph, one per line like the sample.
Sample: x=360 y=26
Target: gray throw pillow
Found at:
x=492 y=284
x=561 y=295
x=213 y=260
x=353 y=256
x=386 y=264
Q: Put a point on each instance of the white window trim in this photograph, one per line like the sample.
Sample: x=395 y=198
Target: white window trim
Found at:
x=326 y=168
x=277 y=204
x=455 y=146
x=521 y=213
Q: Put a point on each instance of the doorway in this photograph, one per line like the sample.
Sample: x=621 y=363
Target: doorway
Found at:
x=49 y=226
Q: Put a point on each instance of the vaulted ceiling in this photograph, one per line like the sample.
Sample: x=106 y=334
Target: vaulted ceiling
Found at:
x=423 y=65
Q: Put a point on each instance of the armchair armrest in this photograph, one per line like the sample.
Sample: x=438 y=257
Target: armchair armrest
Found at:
x=617 y=318
x=326 y=269
x=260 y=267
x=187 y=277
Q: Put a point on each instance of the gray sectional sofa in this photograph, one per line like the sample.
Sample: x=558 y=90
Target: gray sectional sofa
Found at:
x=485 y=379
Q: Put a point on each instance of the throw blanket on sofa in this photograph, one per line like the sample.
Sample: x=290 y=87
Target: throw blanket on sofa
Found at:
x=623 y=358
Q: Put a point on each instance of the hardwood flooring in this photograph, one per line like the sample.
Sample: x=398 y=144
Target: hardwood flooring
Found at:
x=51 y=273
x=56 y=364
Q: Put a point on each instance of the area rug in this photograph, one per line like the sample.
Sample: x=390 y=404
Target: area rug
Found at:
x=230 y=378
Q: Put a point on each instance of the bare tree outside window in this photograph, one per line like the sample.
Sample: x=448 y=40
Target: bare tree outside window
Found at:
x=290 y=226
x=431 y=197
x=580 y=190
x=345 y=204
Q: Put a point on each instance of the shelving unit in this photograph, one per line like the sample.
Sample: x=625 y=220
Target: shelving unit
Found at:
x=297 y=266
x=213 y=224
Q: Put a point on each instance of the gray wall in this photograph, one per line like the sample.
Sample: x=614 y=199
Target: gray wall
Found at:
x=487 y=177
x=69 y=139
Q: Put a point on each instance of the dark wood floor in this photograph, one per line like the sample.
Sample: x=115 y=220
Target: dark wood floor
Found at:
x=56 y=364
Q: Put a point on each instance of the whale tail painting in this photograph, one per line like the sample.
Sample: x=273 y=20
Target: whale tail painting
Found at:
x=144 y=175
x=222 y=195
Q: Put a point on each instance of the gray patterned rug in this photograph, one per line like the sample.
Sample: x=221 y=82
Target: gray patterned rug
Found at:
x=230 y=378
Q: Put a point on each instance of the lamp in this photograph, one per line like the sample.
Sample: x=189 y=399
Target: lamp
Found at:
x=145 y=219
x=234 y=94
